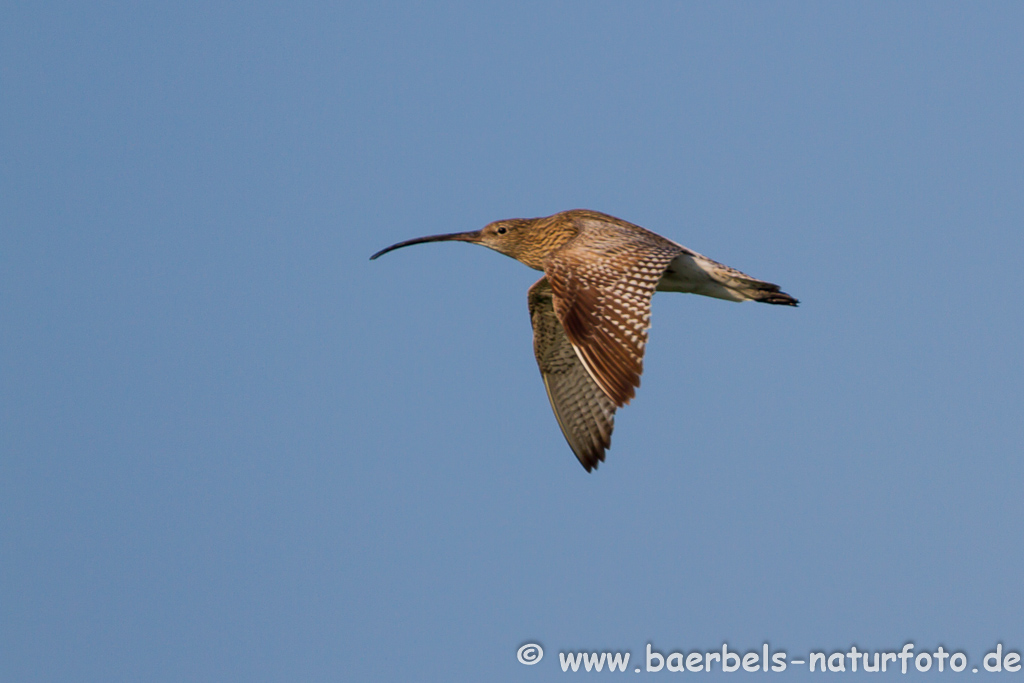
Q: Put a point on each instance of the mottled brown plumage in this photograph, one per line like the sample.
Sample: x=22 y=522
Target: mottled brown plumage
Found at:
x=584 y=412
x=592 y=309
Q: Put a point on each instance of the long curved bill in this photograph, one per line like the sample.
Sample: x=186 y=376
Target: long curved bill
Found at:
x=473 y=236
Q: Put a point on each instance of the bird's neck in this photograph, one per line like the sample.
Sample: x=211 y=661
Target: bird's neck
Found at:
x=542 y=236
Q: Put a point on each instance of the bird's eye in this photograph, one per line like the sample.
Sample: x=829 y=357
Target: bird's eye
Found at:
x=501 y=231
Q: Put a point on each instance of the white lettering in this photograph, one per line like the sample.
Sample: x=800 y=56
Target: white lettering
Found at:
x=570 y=659
x=592 y=661
x=726 y=666
x=905 y=654
x=854 y=656
x=998 y=656
x=651 y=654
x=618 y=659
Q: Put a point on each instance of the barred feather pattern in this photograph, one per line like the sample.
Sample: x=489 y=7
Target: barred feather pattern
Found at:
x=602 y=282
x=585 y=414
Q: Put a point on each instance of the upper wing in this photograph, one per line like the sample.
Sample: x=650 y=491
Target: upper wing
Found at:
x=602 y=289
x=585 y=414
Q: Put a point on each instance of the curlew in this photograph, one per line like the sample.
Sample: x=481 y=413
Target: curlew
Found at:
x=592 y=309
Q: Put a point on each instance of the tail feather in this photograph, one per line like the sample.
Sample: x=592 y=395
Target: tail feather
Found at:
x=780 y=298
x=693 y=273
x=767 y=293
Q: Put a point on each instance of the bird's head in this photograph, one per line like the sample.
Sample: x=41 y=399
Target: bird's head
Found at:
x=512 y=237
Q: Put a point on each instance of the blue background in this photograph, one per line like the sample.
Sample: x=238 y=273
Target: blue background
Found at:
x=234 y=449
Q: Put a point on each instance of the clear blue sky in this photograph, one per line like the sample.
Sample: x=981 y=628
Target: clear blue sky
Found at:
x=234 y=449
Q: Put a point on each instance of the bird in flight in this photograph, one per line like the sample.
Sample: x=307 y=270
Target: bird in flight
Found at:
x=592 y=309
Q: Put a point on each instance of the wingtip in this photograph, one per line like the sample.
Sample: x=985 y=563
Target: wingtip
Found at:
x=590 y=461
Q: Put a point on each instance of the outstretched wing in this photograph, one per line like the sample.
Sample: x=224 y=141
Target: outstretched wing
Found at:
x=585 y=414
x=602 y=288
